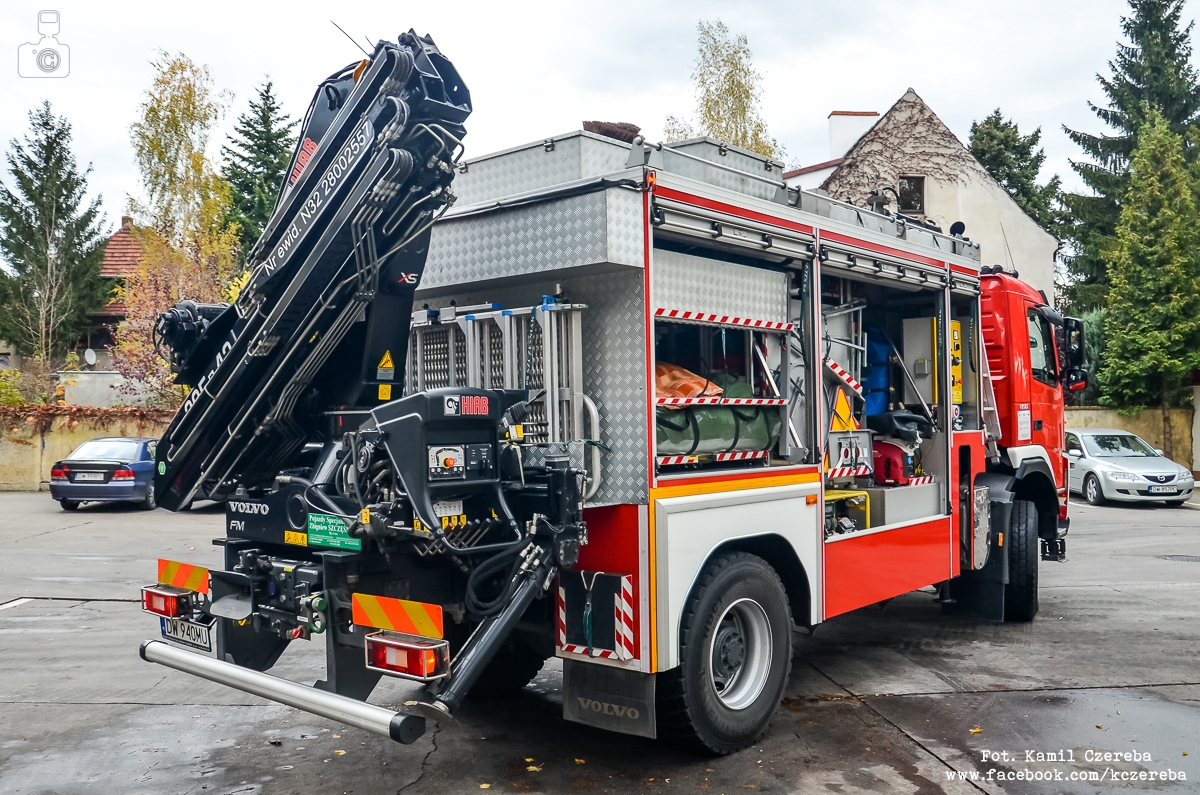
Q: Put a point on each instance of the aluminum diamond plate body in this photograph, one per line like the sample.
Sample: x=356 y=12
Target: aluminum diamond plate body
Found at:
x=698 y=284
x=555 y=161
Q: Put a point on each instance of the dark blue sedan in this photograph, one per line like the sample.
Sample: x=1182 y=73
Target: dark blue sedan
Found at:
x=117 y=469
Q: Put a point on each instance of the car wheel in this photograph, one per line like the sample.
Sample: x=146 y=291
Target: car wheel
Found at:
x=69 y=505
x=150 y=503
x=1092 y=491
x=1176 y=503
x=735 y=655
x=1021 y=593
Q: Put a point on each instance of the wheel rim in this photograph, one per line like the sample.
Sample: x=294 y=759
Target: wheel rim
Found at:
x=1092 y=490
x=740 y=654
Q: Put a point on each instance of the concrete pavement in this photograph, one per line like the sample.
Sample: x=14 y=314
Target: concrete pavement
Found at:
x=894 y=699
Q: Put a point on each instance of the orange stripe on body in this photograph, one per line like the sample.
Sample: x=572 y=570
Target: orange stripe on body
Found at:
x=397 y=615
x=183 y=575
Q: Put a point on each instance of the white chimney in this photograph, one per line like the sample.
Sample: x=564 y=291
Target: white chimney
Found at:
x=846 y=127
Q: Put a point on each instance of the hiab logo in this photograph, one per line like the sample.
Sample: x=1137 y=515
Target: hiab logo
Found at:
x=302 y=157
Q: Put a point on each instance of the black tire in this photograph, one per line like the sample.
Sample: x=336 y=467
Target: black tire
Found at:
x=150 y=503
x=69 y=505
x=1092 y=491
x=1176 y=503
x=690 y=710
x=1021 y=593
x=513 y=667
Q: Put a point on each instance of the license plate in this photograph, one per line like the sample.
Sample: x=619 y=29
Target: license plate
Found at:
x=1164 y=489
x=89 y=476
x=189 y=633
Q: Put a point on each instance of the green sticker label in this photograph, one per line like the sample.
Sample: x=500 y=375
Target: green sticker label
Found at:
x=330 y=531
x=162 y=467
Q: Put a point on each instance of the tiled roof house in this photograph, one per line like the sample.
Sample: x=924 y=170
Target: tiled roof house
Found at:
x=121 y=256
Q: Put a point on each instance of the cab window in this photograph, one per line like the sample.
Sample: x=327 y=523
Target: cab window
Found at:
x=1041 y=349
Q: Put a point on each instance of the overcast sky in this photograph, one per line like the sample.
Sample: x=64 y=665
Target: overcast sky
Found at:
x=536 y=69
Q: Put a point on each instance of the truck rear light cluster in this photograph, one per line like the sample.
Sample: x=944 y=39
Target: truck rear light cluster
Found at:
x=59 y=473
x=163 y=600
x=124 y=473
x=408 y=656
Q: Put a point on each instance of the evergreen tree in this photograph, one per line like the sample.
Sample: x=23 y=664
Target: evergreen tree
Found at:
x=1154 y=69
x=1014 y=161
x=52 y=240
x=1152 y=319
x=256 y=161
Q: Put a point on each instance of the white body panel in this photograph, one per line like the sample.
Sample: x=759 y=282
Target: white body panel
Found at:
x=688 y=529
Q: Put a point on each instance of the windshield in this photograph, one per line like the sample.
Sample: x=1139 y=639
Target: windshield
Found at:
x=114 y=449
x=1123 y=445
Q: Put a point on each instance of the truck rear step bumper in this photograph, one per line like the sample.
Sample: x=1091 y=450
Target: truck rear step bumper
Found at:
x=400 y=726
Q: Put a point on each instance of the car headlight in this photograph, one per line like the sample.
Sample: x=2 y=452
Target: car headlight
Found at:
x=1122 y=476
x=1185 y=476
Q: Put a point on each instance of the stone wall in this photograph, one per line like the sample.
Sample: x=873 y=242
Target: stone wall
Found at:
x=32 y=438
x=1146 y=423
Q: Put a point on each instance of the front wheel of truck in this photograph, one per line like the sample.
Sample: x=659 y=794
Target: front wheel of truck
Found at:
x=735 y=655
x=1021 y=593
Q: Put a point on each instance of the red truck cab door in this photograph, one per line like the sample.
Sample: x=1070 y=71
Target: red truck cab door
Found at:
x=1034 y=424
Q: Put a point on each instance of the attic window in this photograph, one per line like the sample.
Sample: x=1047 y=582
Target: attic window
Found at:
x=912 y=195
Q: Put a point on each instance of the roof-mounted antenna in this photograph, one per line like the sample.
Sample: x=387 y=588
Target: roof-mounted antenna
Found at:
x=347 y=35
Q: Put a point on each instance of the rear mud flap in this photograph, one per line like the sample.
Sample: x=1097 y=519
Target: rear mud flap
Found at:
x=980 y=594
x=609 y=698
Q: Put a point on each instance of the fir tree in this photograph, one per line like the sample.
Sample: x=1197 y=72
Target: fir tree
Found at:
x=1014 y=161
x=52 y=240
x=256 y=161
x=1152 y=320
x=1152 y=70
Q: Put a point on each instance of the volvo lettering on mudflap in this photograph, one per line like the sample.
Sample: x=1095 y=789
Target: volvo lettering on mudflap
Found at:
x=715 y=408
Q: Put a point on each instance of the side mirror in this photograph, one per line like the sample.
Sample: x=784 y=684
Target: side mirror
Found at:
x=1073 y=327
x=1075 y=453
x=1158 y=451
x=1077 y=379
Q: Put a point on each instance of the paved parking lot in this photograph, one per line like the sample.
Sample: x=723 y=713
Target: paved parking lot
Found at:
x=898 y=699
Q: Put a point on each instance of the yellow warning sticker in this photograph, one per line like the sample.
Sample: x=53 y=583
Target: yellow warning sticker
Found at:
x=292 y=537
x=385 y=391
x=387 y=368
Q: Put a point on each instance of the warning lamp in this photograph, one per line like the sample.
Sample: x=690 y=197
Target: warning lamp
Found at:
x=59 y=473
x=124 y=473
x=163 y=600
x=651 y=180
x=408 y=656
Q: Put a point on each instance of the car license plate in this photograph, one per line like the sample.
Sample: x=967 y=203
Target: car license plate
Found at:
x=1164 y=489
x=89 y=476
x=189 y=633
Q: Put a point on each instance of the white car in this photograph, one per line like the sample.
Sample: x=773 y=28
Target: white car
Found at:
x=1108 y=464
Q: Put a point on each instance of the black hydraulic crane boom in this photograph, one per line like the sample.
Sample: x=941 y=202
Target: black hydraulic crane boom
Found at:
x=347 y=241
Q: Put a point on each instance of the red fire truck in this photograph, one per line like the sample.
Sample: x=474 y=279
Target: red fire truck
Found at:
x=651 y=410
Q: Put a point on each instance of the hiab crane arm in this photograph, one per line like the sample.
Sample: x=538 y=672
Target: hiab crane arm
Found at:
x=342 y=504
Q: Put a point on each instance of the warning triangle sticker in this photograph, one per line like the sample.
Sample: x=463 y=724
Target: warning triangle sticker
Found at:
x=386 y=363
x=843 y=417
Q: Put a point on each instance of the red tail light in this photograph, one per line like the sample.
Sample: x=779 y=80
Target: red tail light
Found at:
x=163 y=600
x=408 y=656
x=124 y=473
x=59 y=473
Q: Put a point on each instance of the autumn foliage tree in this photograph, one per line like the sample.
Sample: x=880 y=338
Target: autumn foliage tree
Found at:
x=1152 y=319
x=190 y=248
x=728 y=93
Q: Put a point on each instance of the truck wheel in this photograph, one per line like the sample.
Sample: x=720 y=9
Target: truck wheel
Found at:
x=1092 y=491
x=513 y=667
x=1021 y=593
x=735 y=655
x=69 y=505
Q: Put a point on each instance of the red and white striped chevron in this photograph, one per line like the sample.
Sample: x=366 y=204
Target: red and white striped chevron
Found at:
x=749 y=456
x=676 y=460
x=724 y=320
x=920 y=481
x=844 y=376
x=720 y=401
x=848 y=472
x=623 y=615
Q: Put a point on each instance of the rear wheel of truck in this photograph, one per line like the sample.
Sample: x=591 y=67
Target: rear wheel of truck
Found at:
x=513 y=667
x=1021 y=593
x=68 y=505
x=735 y=655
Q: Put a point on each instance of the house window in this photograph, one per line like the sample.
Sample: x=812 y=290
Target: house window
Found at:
x=912 y=195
